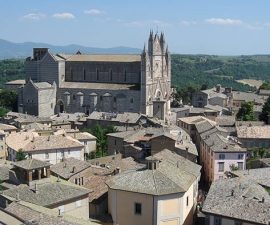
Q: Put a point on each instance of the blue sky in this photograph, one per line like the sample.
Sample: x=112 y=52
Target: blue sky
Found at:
x=224 y=27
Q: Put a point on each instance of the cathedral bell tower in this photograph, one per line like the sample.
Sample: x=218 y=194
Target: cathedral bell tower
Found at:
x=156 y=77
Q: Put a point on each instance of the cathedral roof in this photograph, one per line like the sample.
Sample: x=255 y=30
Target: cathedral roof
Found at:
x=102 y=58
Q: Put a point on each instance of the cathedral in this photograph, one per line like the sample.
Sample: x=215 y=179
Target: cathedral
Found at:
x=108 y=83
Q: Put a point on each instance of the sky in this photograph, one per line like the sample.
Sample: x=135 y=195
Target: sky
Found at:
x=221 y=27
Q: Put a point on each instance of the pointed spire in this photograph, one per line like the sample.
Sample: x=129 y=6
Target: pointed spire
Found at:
x=151 y=35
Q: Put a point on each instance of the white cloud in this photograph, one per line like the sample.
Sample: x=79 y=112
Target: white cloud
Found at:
x=64 y=16
x=223 y=21
x=188 y=23
x=34 y=16
x=94 y=12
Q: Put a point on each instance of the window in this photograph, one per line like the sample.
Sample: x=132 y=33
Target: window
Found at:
x=76 y=181
x=69 y=152
x=97 y=74
x=46 y=155
x=114 y=141
x=131 y=100
x=217 y=221
x=111 y=74
x=78 y=203
x=84 y=74
x=81 y=180
x=138 y=208
x=240 y=165
x=240 y=156
x=30 y=155
x=74 y=97
x=187 y=200
x=125 y=76
x=237 y=223
x=222 y=156
x=221 y=167
x=62 y=154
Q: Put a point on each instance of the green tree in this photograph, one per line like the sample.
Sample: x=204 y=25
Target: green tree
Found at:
x=101 y=134
x=246 y=112
x=20 y=155
x=8 y=99
x=265 y=111
x=265 y=86
x=3 y=111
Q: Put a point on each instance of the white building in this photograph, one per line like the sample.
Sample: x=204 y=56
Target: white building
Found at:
x=51 y=148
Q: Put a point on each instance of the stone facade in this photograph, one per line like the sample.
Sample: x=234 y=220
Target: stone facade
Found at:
x=109 y=83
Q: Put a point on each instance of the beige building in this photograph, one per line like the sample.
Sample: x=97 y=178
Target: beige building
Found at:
x=149 y=141
x=163 y=194
x=52 y=148
x=37 y=187
x=254 y=136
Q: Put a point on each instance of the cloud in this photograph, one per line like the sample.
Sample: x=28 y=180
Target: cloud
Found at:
x=34 y=16
x=188 y=23
x=94 y=12
x=224 y=21
x=63 y=16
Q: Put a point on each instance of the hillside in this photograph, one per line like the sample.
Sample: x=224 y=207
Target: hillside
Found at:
x=196 y=70
x=10 y=50
x=188 y=70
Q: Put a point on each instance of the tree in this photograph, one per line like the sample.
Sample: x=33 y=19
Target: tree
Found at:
x=265 y=111
x=101 y=134
x=8 y=99
x=3 y=111
x=20 y=155
x=246 y=112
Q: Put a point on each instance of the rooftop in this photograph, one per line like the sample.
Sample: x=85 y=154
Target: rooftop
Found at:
x=102 y=58
x=261 y=175
x=31 y=164
x=48 y=194
x=6 y=127
x=43 y=216
x=16 y=82
x=256 y=132
x=69 y=167
x=30 y=141
x=98 y=86
x=244 y=203
x=168 y=178
x=219 y=143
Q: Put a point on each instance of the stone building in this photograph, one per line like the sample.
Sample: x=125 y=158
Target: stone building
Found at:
x=109 y=83
x=163 y=194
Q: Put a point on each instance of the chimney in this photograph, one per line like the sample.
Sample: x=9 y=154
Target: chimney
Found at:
x=117 y=170
x=73 y=169
x=17 y=197
x=152 y=163
x=36 y=189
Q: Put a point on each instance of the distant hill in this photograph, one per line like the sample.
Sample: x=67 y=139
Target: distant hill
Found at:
x=209 y=70
x=10 y=50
